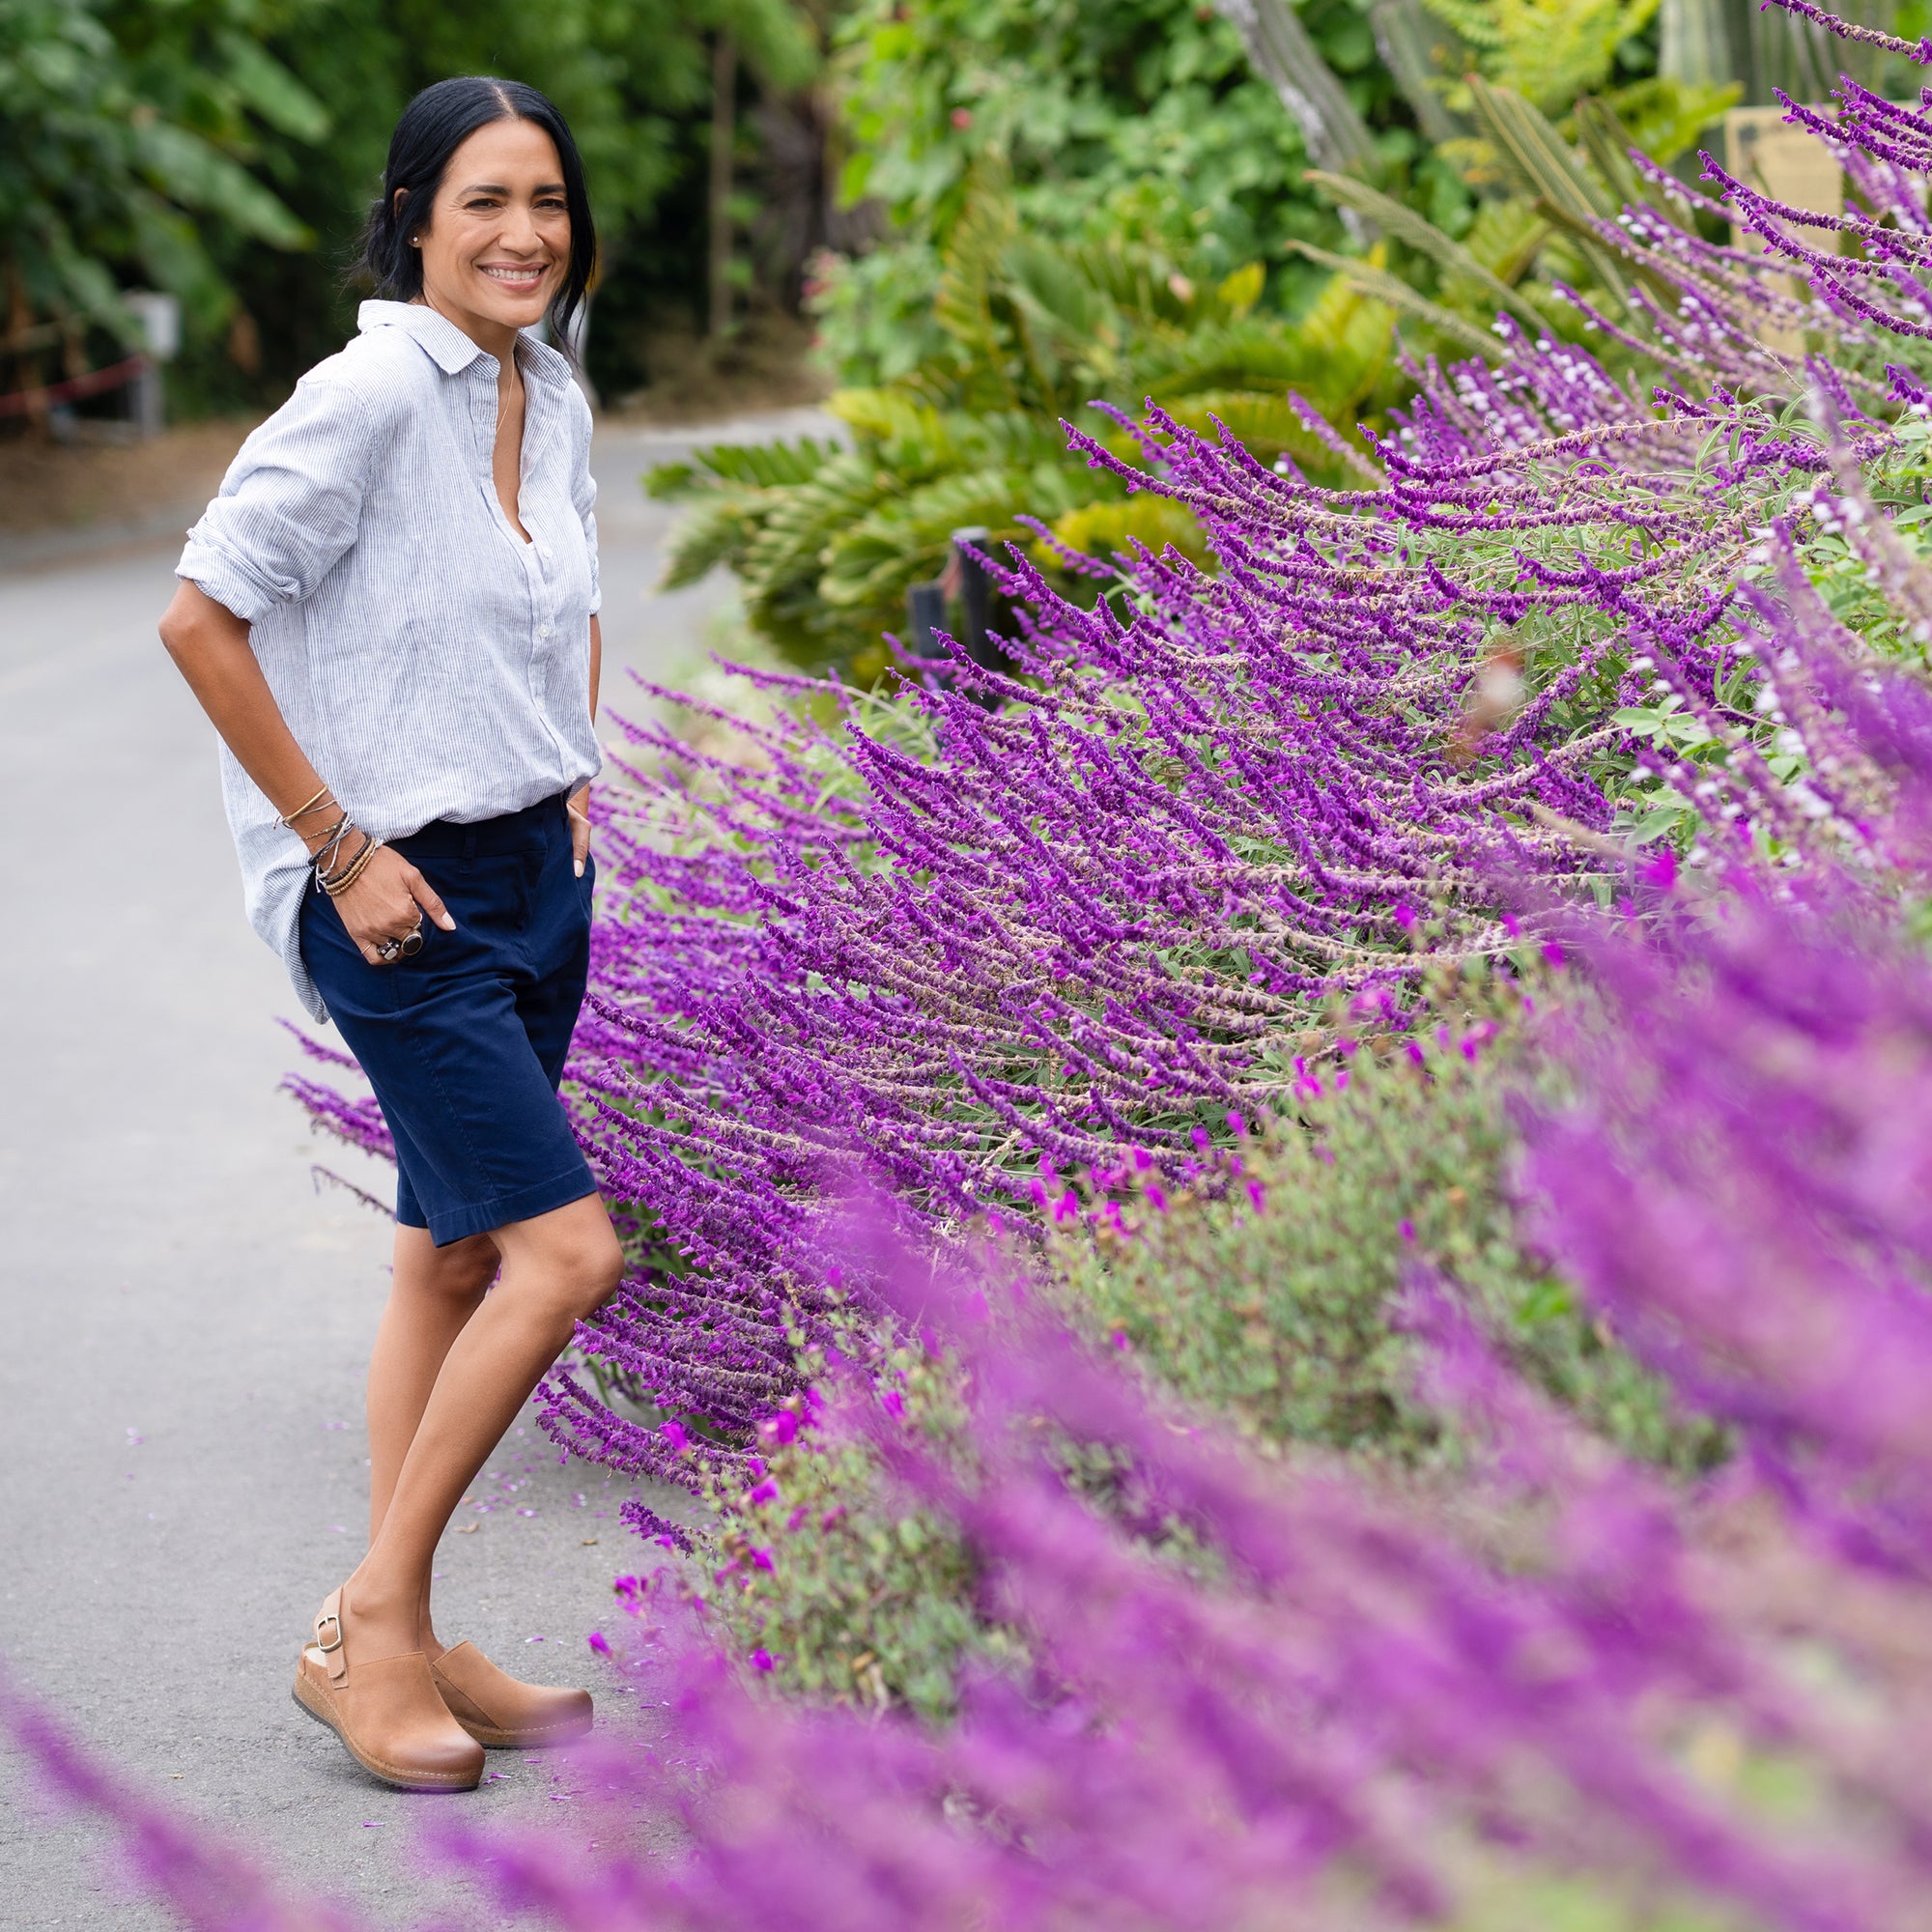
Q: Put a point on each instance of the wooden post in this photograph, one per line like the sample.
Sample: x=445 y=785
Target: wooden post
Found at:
x=976 y=594
x=724 y=133
x=925 y=613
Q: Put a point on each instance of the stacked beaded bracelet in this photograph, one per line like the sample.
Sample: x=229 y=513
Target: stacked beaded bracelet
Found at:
x=338 y=882
x=323 y=858
x=335 y=878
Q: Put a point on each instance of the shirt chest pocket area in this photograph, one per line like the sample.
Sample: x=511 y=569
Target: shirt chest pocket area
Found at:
x=438 y=623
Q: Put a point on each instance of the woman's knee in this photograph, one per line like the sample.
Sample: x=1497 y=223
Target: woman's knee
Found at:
x=591 y=1275
x=459 y=1272
x=570 y=1261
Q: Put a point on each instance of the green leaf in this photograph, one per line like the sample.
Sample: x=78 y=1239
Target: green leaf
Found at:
x=721 y=530
x=1408 y=226
x=666 y=481
x=1546 y=1302
x=1659 y=819
x=266 y=86
x=1538 y=156
x=1398 y=295
x=767 y=465
x=199 y=176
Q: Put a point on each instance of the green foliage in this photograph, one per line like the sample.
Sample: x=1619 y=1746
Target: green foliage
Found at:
x=1139 y=121
x=1548 y=50
x=1045 y=256
x=124 y=139
x=1277 y=1308
x=1545 y=192
x=1136 y=115
x=826 y=541
x=853 y=1592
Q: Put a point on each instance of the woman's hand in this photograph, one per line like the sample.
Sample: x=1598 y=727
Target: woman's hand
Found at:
x=387 y=902
x=578 y=805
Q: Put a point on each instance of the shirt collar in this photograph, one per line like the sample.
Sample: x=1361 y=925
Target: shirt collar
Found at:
x=450 y=350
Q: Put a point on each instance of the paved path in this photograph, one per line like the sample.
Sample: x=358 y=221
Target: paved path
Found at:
x=184 y=1320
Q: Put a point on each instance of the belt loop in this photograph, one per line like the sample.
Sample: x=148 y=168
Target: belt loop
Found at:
x=468 y=843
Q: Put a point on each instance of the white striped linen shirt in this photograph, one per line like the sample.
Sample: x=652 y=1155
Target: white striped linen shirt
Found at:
x=430 y=663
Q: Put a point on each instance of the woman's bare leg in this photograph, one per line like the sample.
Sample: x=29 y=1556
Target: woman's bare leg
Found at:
x=433 y=1292
x=556 y=1267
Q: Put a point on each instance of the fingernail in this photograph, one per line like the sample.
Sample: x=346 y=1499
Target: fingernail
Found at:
x=448 y=924
x=580 y=869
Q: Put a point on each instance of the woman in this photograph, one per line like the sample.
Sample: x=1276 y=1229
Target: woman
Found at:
x=389 y=614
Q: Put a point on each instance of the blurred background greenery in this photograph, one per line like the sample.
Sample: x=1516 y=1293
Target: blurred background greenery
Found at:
x=963 y=219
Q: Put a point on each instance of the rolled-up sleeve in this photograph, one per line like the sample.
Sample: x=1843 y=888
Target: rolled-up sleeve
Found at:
x=289 y=506
x=583 y=495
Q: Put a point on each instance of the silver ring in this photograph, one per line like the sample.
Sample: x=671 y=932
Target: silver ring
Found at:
x=411 y=943
x=390 y=951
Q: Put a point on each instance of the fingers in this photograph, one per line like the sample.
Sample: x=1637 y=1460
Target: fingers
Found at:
x=424 y=894
x=579 y=831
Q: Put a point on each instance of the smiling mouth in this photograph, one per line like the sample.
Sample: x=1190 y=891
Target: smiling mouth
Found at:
x=516 y=278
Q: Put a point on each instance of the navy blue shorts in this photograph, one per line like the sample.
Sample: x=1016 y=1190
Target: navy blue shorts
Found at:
x=464 y=1043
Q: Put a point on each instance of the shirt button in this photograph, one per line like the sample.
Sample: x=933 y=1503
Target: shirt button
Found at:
x=543 y=630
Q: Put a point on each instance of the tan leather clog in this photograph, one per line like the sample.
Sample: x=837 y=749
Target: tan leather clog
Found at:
x=386 y=1710
x=498 y=1711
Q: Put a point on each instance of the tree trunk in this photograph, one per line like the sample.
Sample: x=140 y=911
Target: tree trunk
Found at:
x=724 y=133
x=1418 y=49
x=1280 y=51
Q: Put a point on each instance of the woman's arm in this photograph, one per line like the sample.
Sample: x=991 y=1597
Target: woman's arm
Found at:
x=210 y=646
x=580 y=803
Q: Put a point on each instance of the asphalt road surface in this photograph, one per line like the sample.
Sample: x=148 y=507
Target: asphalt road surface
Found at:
x=185 y=1318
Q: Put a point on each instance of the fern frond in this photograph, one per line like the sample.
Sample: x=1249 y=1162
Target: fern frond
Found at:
x=963 y=306
x=906 y=540
x=721 y=530
x=766 y=466
x=794 y=537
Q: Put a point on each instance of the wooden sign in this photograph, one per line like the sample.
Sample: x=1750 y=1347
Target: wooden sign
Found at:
x=1791 y=165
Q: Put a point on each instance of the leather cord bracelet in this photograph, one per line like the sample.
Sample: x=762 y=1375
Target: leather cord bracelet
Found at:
x=336 y=883
x=324 y=855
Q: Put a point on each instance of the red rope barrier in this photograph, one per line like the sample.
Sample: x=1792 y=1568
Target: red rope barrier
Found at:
x=23 y=401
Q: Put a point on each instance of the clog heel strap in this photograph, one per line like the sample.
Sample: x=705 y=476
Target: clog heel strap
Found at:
x=386 y=1710
x=328 y=1640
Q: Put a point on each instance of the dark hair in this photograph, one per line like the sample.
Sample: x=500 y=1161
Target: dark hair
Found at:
x=433 y=126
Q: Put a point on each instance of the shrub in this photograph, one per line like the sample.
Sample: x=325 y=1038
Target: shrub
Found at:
x=838 y=1584
x=826 y=539
x=1101 y=902
x=1269 y=1295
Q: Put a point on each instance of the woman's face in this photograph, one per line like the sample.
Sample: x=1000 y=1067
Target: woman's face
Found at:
x=498 y=237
